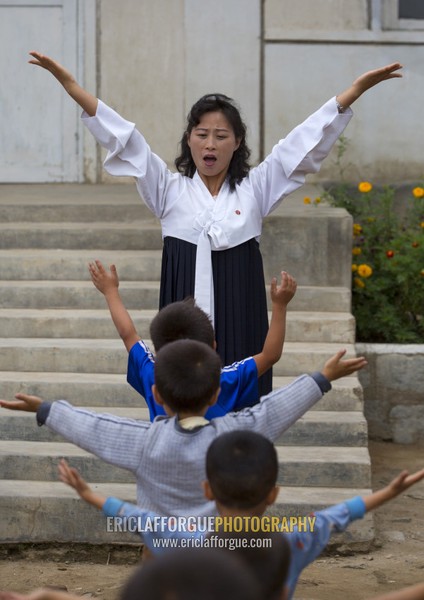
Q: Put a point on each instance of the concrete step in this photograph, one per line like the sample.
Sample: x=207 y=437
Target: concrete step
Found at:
x=346 y=394
x=311 y=466
x=111 y=389
x=55 y=203
x=71 y=323
x=35 y=512
x=140 y=294
x=75 y=294
x=109 y=356
x=327 y=428
x=315 y=428
x=85 y=389
x=33 y=264
x=137 y=235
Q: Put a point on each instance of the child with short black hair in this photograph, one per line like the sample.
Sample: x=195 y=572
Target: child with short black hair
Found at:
x=168 y=456
x=241 y=469
x=185 y=320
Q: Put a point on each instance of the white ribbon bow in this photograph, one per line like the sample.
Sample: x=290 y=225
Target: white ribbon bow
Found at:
x=211 y=236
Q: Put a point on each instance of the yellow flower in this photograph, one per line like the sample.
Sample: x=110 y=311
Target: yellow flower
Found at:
x=364 y=271
x=365 y=186
x=357 y=229
x=356 y=250
x=358 y=282
x=422 y=224
x=317 y=200
x=418 y=192
x=354 y=267
x=306 y=200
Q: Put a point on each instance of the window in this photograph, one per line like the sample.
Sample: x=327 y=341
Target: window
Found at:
x=402 y=14
x=411 y=9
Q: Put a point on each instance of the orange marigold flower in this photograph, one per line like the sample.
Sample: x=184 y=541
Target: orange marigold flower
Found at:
x=358 y=282
x=356 y=250
x=306 y=200
x=364 y=271
x=390 y=254
x=418 y=192
x=415 y=244
x=354 y=267
x=365 y=186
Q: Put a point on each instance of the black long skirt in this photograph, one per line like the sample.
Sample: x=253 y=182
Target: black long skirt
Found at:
x=241 y=319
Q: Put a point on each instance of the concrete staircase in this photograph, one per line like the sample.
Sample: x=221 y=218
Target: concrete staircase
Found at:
x=57 y=341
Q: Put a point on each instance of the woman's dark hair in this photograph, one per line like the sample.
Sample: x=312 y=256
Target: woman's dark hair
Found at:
x=239 y=166
x=242 y=468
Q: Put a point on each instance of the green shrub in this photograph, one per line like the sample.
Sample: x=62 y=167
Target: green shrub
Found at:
x=388 y=260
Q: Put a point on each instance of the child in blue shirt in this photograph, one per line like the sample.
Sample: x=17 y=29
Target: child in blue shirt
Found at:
x=241 y=471
x=180 y=320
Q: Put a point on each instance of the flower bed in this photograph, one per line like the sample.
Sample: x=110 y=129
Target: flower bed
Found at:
x=387 y=260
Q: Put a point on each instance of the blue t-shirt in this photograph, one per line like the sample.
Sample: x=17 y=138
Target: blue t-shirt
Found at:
x=239 y=383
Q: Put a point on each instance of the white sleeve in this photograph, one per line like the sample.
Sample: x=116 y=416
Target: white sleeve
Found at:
x=117 y=441
x=130 y=155
x=300 y=153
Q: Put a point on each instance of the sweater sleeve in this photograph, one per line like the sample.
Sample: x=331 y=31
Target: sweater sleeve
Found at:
x=117 y=441
x=130 y=155
x=306 y=546
x=300 y=153
x=277 y=411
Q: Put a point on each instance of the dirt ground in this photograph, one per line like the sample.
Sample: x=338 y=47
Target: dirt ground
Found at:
x=396 y=560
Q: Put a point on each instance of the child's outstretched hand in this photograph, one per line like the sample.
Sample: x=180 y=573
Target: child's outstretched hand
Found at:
x=104 y=280
x=335 y=367
x=404 y=481
x=71 y=477
x=282 y=294
x=23 y=402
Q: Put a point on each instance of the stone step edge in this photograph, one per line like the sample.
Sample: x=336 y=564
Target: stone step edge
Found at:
x=142 y=414
x=112 y=343
x=310 y=454
x=148 y=313
x=324 y=496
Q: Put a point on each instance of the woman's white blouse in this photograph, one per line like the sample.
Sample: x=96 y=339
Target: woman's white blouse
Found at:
x=186 y=208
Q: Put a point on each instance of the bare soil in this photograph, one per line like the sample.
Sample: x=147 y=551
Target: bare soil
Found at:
x=395 y=561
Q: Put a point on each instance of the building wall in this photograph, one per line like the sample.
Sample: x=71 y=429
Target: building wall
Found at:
x=280 y=59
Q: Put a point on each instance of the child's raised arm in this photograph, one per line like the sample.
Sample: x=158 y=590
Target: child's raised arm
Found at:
x=87 y=101
x=274 y=342
x=107 y=282
x=398 y=485
x=367 y=81
x=335 y=367
x=72 y=477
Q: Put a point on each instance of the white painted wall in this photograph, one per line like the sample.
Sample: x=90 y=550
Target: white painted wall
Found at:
x=152 y=60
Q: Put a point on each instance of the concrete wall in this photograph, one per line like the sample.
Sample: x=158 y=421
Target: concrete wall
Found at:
x=393 y=386
x=280 y=60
